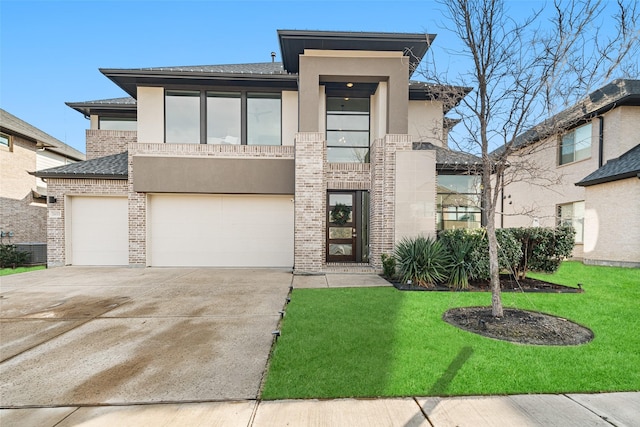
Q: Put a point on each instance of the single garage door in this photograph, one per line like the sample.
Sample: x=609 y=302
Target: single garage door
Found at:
x=220 y=231
x=99 y=231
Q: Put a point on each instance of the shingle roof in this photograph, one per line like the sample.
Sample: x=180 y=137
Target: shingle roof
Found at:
x=450 y=159
x=618 y=92
x=15 y=125
x=625 y=166
x=111 y=167
x=251 y=68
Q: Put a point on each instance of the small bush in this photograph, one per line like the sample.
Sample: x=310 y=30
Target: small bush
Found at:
x=388 y=266
x=423 y=261
x=476 y=258
x=543 y=248
x=460 y=266
x=10 y=256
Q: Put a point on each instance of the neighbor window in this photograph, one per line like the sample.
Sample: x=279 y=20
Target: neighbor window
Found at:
x=458 y=202
x=576 y=145
x=347 y=130
x=117 y=123
x=208 y=117
x=5 y=140
x=573 y=214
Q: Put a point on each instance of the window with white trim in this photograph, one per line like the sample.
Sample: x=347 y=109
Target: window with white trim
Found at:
x=575 y=145
x=573 y=214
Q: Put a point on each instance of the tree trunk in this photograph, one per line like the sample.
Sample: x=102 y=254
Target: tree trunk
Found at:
x=494 y=265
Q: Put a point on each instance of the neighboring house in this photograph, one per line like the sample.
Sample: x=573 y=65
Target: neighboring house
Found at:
x=595 y=155
x=320 y=163
x=23 y=205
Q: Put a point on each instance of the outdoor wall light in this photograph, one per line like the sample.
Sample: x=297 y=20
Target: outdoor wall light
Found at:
x=52 y=199
x=349 y=84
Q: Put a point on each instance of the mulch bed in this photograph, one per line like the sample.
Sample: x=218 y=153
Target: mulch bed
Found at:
x=507 y=283
x=521 y=326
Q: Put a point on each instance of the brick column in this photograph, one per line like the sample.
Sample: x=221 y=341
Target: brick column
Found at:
x=310 y=202
x=137 y=219
x=383 y=194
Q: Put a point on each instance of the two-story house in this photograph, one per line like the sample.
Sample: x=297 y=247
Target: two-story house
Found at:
x=23 y=208
x=586 y=162
x=320 y=162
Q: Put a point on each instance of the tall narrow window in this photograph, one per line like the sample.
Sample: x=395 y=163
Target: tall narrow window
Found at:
x=347 y=130
x=223 y=118
x=576 y=145
x=182 y=116
x=263 y=119
x=572 y=214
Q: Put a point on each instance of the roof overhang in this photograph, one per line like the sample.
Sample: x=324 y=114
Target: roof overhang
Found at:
x=294 y=42
x=130 y=79
x=103 y=108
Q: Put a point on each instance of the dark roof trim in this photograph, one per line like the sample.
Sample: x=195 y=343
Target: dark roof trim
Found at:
x=625 y=166
x=126 y=105
x=450 y=160
x=130 y=79
x=294 y=42
x=449 y=95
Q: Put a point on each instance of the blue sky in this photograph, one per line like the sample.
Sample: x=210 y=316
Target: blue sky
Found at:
x=50 y=51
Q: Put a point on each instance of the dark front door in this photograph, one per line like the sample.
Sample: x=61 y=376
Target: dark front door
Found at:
x=347 y=226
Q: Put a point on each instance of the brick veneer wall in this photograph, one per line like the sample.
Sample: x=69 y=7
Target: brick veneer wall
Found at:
x=138 y=201
x=20 y=214
x=62 y=188
x=310 y=202
x=102 y=143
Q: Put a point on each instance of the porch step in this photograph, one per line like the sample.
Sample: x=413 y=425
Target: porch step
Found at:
x=349 y=268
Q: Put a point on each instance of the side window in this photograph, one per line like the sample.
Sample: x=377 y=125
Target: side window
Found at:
x=6 y=141
x=575 y=145
x=572 y=214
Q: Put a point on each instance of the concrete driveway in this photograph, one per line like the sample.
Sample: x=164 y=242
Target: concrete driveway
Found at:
x=78 y=336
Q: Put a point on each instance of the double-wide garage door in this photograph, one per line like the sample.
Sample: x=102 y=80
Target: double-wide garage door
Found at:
x=220 y=230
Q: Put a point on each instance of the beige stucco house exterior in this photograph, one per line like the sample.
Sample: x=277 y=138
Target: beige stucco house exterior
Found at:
x=318 y=163
x=589 y=159
x=23 y=208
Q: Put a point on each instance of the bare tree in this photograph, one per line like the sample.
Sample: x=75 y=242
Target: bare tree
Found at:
x=525 y=70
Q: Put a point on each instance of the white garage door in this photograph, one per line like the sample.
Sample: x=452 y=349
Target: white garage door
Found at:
x=220 y=231
x=99 y=231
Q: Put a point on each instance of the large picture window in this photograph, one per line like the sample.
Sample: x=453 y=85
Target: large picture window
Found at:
x=573 y=214
x=182 y=116
x=576 y=145
x=209 y=117
x=347 y=130
x=459 y=202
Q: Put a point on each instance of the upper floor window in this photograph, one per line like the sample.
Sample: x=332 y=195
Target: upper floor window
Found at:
x=5 y=141
x=573 y=214
x=117 y=123
x=576 y=145
x=347 y=130
x=210 y=117
x=459 y=202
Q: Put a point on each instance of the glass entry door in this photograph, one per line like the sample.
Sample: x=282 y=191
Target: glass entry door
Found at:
x=348 y=226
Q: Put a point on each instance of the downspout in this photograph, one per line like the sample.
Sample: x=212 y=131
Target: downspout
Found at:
x=502 y=204
x=601 y=142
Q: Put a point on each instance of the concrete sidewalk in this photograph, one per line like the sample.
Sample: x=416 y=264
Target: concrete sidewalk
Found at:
x=579 y=410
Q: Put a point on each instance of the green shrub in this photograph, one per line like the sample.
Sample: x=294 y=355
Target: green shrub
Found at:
x=543 y=248
x=422 y=261
x=10 y=256
x=460 y=267
x=388 y=266
x=476 y=258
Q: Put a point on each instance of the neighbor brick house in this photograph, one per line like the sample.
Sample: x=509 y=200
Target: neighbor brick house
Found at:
x=321 y=162
x=23 y=149
x=593 y=151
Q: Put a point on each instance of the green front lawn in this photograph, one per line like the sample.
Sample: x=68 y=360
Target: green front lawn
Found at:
x=7 y=271
x=367 y=342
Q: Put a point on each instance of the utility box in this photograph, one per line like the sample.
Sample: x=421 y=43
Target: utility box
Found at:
x=37 y=252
